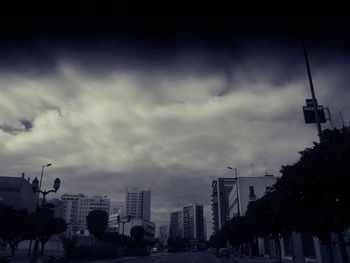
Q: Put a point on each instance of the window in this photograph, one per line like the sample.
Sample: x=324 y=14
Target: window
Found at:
x=251 y=192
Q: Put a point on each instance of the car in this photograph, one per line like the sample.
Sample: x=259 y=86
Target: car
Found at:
x=223 y=252
x=194 y=249
x=155 y=249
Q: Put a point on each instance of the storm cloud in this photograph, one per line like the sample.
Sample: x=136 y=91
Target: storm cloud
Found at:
x=166 y=113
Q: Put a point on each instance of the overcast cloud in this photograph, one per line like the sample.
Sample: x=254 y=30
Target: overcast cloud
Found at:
x=169 y=121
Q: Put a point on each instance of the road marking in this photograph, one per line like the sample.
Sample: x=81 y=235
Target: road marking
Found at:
x=194 y=258
x=217 y=260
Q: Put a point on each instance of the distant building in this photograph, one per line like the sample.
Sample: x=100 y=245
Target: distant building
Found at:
x=138 y=203
x=193 y=222
x=113 y=223
x=147 y=225
x=249 y=189
x=163 y=235
x=18 y=193
x=57 y=207
x=205 y=229
x=77 y=207
x=176 y=225
x=221 y=189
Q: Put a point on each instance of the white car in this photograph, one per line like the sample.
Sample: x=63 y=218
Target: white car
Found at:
x=155 y=249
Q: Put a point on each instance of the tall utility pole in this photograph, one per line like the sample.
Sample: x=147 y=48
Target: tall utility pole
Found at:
x=314 y=101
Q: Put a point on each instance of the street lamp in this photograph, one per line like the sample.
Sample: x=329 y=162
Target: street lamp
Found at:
x=36 y=186
x=41 y=178
x=56 y=186
x=236 y=178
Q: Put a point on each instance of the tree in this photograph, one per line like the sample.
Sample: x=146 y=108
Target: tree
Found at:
x=13 y=226
x=50 y=226
x=137 y=232
x=97 y=221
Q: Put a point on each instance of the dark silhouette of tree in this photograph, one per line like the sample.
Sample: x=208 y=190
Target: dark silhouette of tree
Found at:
x=13 y=226
x=312 y=196
x=50 y=226
x=320 y=180
x=137 y=232
x=97 y=221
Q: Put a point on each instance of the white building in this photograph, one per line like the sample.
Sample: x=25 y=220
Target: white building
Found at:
x=247 y=189
x=77 y=207
x=113 y=222
x=138 y=203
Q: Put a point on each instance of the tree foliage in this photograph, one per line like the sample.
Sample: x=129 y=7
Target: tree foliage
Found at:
x=137 y=232
x=13 y=226
x=311 y=196
x=97 y=221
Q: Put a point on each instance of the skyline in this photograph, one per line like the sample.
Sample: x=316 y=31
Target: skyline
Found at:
x=169 y=111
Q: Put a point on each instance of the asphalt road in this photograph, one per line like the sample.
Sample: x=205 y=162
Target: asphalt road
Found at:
x=186 y=257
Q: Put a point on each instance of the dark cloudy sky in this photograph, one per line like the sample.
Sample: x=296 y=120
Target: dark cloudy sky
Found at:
x=118 y=96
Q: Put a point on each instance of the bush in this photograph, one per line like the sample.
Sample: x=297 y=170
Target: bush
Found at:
x=69 y=245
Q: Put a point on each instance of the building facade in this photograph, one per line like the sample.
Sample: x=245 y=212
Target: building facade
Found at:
x=18 y=193
x=246 y=190
x=221 y=189
x=138 y=203
x=77 y=207
x=193 y=222
x=176 y=225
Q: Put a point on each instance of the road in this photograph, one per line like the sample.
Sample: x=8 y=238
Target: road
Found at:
x=186 y=257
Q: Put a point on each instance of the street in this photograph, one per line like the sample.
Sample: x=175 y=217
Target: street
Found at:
x=186 y=257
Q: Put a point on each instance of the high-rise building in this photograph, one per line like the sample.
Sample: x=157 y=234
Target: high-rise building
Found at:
x=77 y=207
x=138 y=203
x=221 y=189
x=193 y=222
x=18 y=193
x=176 y=225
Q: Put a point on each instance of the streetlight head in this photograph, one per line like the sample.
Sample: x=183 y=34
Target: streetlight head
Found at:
x=35 y=184
x=229 y=167
x=49 y=164
x=56 y=184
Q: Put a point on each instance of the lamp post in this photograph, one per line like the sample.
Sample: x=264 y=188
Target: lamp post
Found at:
x=236 y=178
x=41 y=178
x=56 y=186
x=36 y=186
x=314 y=101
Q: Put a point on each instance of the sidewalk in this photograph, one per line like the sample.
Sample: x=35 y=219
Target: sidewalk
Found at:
x=256 y=260
x=21 y=255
